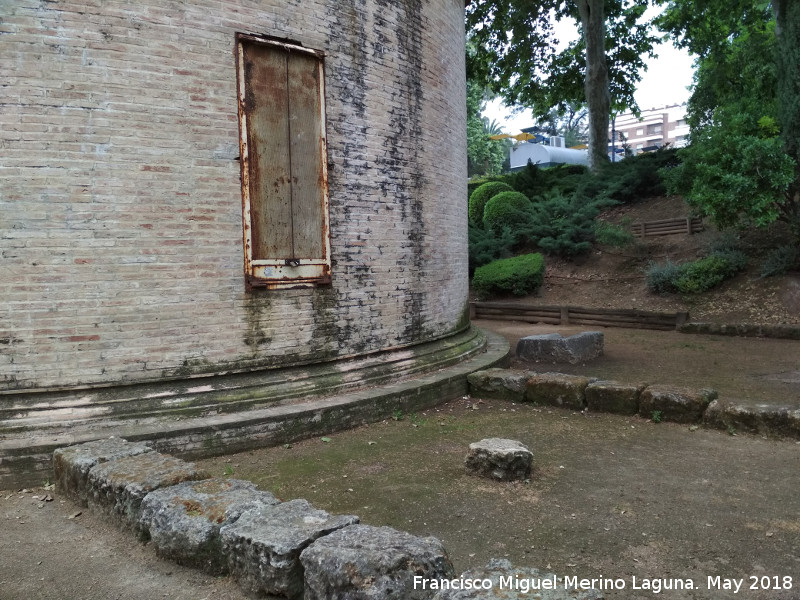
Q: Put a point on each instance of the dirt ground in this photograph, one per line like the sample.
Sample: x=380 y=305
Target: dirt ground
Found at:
x=610 y=496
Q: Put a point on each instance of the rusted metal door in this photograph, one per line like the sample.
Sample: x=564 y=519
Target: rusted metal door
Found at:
x=284 y=184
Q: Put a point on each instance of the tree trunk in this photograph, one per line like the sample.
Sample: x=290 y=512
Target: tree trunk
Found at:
x=597 y=94
x=787 y=17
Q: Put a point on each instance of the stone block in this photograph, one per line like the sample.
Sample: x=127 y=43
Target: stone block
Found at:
x=503 y=384
x=71 y=464
x=678 y=404
x=547 y=346
x=548 y=585
x=613 y=397
x=366 y=563
x=552 y=347
x=184 y=520
x=263 y=546
x=557 y=389
x=500 y=459
x=753 y=417
x=584 y=346
x=118 y=487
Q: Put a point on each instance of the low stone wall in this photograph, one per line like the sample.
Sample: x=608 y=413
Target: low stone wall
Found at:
x=285 y=549
x=656 y=402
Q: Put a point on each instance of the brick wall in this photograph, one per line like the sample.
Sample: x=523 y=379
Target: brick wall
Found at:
x=120 y=200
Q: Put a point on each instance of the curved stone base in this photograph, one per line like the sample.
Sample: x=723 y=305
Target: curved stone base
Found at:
x=231 y=413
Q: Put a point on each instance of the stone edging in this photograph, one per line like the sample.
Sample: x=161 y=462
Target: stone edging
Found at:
x=655 y=402
x=781 y=332
x=288 y=549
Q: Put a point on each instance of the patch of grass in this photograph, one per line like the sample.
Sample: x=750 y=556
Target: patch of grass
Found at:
x=656 y=416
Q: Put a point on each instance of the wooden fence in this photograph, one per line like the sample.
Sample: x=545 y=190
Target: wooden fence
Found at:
x=668 y=227
x=572 y=315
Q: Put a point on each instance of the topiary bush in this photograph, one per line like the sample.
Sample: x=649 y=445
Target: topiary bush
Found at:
x=482 y=195
x=505 y=210
x=520 y=275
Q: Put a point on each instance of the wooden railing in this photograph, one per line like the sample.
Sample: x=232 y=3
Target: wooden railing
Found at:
x=573 y=315
x=668 y=227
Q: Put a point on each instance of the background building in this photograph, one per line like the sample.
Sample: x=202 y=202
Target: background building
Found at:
x=655 y=128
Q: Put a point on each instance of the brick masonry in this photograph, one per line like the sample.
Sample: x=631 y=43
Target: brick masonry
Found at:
x=121 y=233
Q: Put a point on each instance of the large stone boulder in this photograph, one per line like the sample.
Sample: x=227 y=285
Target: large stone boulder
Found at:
x=184 y=520
x=71 y=465
x=753 y=417
x=557 y=389
x=553 y=347
x=503 y=384
x=118 y=487
x=500 y=459
x=263 y=546
x=678 y=404
x=370 y=563
x=613 y=397
x=525 y=583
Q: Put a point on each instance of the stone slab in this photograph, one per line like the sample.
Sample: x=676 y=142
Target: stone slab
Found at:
x=71 y=464
x=550 y=587
x=263 y=546
x=499 y=459
x=184 y=520
x=557 y=389
x=118 y=487
x=502 y=384
x=754 y=417
x=613 y=397
x=553 y=347
x=677 y=404
x=363 y=562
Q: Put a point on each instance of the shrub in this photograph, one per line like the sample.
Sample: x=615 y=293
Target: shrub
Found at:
x=482 y=195
x=505 y=210
x=703 y=274
x=780 y=260
x=612 y=235
x=485 y=246
x=562 y=224
x=660 y=278
x=697 y=276
x=520 y=275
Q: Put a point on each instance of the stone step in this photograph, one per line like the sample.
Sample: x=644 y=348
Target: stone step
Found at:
x=26 y=456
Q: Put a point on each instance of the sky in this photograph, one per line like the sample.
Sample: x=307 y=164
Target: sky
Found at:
x=664 y=83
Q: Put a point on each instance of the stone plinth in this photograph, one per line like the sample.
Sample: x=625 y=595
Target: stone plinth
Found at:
x=184 y=520
x=500 y=459
x=613 y=397
x=366 y=563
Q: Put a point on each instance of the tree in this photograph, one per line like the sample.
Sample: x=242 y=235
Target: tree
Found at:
x=515 y=54
x=485 y=156
x=742 y=164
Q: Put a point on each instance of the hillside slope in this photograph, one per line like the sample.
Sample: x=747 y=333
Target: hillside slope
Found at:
x=614 y=277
